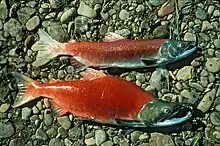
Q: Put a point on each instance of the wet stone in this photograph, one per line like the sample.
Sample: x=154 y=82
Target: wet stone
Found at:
x=213 y=65
x=206 y=26
x=216 y=13
x=86 y=10
x=35 y=110
x=24 y=14
x=48 y=119
x=39 y=105
x=217 y=106
x=64 y=122
x=67 y=142
x=155 y=80
x=40 y=134
x=158 y=139
x=4 y=107
x=68 y=15
x=217 y=43
x=103 y=29
x=196 y=86
x=216 y=134
x=161 y=31
x=25 y=113
x=90 y=141
x=3 y=10
x=184 y=73
x=7 y=130
x=124 y=14
x=200 y=13
x=13 y=27
x=135 y=136
x=215 y=118
x=75 y=133
x=100 y=137
x=190 y=37
x=211 y=9
x=52 y=132
x=56 y=142
x=33 y=23
x=123 y=143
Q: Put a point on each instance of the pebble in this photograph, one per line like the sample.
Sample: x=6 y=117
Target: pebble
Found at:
x=64 y=121
x=103 y=29
x=25 y=113
x=13 y=27
x=100 y=137
x=216 y=134
x=185 y=73
x=107 y=143
x=212 y=65
x=204 y=36
x=207 y=101
x=200 y=13
x=144 y=136
x=135 y=136
x=85 y=10
x=197 y=86
x=35 y=110
x=56 y=3
x=41 y=135
x=140 y=8
x=211 y=9
x=7 y=130
x=39 y=105
x=3 y=10
x=56 y=142
x=48 y=119
x=16 y=142
x=81 y=24
x=57 y=32
x=52 y=132
x=157 y=2
x=158 y=139
x=33 y=23
x=123 y=143
x=217 y=43
x=75 y=132
x=155 y=80
x=161 y=31
x=190 y=37
x=68 y=15
x=123 y=32
x=216 y=13
x=4 y=107
x=123 y=14
x=90 y=141
x=217 y=106
x=24 y=14
x=206 y=26
x=215 y=118
x=140 y=77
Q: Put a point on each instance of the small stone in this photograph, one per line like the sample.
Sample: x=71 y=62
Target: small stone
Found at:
x=7 y=130
x=25 y=113
x=4 y=107
x=3 y=10
x=161 y=31
x=211 y=9
x=123 y=14
x=90 y=141
x=39 y=105
x=155 y=80
x=16 y=142
x=140 y=77
x=75 y=132
x=29 y=41
x=33 y=23
x=190 y=37
x=40 y=134
x=35 y=110
x=24 y=14
x=48 y=119
x=56 y=3
x=61 y=74
x=107 y=143
x=103 y=29
x=67 y=142
x=217 y=43
x=64 y=122
x=13 y=27
x=206 y=26
x=200 y=13
x=157 y=2
x=207 y=101
x=215 y=118
x=213 y=65
x=135 y=136
x=158 y=139
x=123 y=32
x=56 y=142
x=81 y=24
x=85 y=10
x=216 y=134
x=217 y=106
x=57 y=32
x=185 y=73
x=216 y=13
x=140 y=8
x=123 y=143
x=204 y=36
x=68 y=15
x=196 y=86
x=52 y=132
x=100 y=137
x=144 y=136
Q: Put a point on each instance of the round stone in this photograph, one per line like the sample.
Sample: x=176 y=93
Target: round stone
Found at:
x=190 y=37
x=56 y=142
x=64 y=122
x=25 y=113
x=124 y=14
x=200 y=13
x=7 y=130
x=68 y=15
x=212 y=65
x=4 y=107
x=215 y=118
x=100 y=137
x=33 y=23
x=217 y=43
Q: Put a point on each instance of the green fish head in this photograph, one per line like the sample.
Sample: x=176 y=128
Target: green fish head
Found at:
x=161 y=113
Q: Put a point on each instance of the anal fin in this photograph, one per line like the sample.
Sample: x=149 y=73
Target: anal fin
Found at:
x=91 y=74
x=60 y=111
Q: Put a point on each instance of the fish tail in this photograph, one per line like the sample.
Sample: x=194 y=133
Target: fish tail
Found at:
x=47 y=48
x=27 y=91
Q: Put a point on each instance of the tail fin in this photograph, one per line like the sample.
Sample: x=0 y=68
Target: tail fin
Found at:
x=47 y=48
x=24 y=95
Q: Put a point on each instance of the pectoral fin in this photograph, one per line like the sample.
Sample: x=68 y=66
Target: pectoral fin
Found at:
x=154 y=61
x=130 y=123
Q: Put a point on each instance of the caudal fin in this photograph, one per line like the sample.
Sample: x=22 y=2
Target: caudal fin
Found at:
x=25 y=94
x=47 y=48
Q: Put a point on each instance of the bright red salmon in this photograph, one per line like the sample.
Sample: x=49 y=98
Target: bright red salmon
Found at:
x=96 y=97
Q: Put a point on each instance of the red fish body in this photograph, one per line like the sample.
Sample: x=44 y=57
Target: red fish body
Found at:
x=96 y=97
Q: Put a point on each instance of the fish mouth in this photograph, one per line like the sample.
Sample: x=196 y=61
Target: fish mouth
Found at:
x=181 y=114
x=187 y=51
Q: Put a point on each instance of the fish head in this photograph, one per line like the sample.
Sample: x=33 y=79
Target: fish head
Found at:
x=176 y=49
x=161 y=113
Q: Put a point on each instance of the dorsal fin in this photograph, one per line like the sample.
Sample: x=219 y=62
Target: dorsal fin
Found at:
x=91 y=74
x=111 y=37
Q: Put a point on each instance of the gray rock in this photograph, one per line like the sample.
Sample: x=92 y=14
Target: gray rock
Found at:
x=57 y=32
x=3 y=10
x=217 y=43
x=13 y=27
x=56 y=3
x=191 y=97
x=103 y=29
x=215 y=118
x=123 y=143
x=157 y=2
x=211 y=9
x=155 y=80
x=81 y=24
x=107 y=143
x=161 y=31
x=7 y=130
x=64 y=122
x=67 y=142
x=4 y=107
x=144 y=136
x=140 y=8
x=216 y=13
x=90 y=141
x=123 y=14
x=140 y=77
x=52 y=132
x=206 y=26
x=40 y=134
x=135 y=136
x=217 y=106
x=185 y=73
x=61 y=74
x=204 y=37
x=1 y=24
x=35 y=110
x=56 y=142
x=123 y=32
x=190 y=37
x=212 y=65
x=33 y=23
x=25 y=113
x=39 y=105
x=85 y=10
x=48 y=119
x=197 y=86
x=200 y=13
x=158 y=139
x=68 y=15
x=16 y=142
x=24 y=14
x=207 y=101
x=100 y=137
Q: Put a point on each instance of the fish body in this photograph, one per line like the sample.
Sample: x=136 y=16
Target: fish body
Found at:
x=113 y=51
x=100 y=98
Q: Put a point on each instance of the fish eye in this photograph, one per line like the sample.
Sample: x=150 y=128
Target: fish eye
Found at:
x=166 y=110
